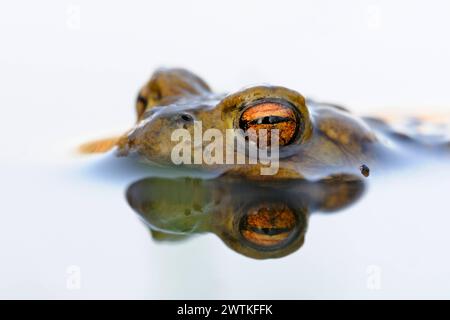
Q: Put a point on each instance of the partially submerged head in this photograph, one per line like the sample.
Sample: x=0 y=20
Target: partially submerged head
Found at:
x=175 y=100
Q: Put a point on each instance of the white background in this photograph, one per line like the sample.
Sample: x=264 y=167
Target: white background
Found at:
x=70 y=71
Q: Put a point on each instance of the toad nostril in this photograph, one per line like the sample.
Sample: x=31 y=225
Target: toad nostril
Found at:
x=187 y=117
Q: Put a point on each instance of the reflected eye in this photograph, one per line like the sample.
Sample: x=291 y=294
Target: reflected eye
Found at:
x=267 y=224
x=269 y=116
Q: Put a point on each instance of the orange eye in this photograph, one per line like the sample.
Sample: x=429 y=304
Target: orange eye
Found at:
x=268 y=224
x=269 y=116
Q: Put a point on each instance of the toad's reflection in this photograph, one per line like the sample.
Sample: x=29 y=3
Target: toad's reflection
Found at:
x=257 y=219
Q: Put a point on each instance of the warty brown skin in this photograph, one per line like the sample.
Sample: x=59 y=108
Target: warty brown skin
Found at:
x=332 y=141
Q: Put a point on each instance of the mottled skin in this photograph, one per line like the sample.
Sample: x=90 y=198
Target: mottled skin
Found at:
x=332 y=142
x=259 y=219
x=326 y=151
x=329 y=140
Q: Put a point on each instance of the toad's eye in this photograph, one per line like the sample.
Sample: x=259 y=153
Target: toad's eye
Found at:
x=268 y=225
x=269 y=116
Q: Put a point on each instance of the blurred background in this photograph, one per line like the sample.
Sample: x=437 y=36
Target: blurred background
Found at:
x=70 y=72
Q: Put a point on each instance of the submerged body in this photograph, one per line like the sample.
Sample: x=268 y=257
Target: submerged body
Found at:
x=316 y=140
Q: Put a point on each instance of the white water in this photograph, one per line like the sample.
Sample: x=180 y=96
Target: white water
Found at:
x=62 y=86
x=58 y=215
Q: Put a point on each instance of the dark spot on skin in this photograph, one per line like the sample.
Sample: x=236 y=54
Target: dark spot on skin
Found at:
x=187 y=117
x=184 y=119
x=141 y=99
x=365 y=171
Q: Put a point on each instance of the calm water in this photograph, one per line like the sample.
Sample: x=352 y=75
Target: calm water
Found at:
x=70 y=72
x=68 y=217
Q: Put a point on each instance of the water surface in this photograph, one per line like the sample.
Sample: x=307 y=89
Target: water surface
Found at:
x=391 y=243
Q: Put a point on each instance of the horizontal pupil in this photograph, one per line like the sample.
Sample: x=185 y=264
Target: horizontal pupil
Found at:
x=269 y=231
x=270 y=120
